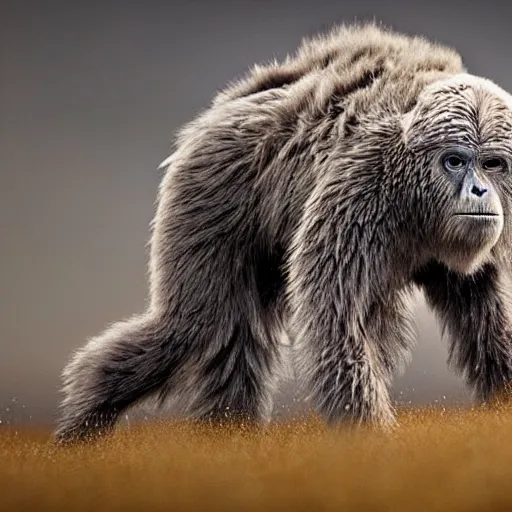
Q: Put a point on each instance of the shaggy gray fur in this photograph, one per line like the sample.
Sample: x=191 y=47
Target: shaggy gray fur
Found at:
x=311 y=197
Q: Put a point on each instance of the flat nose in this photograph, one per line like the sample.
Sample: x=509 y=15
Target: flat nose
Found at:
x=478 y=190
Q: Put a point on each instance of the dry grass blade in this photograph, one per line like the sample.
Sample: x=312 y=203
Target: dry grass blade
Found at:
x=435 y=460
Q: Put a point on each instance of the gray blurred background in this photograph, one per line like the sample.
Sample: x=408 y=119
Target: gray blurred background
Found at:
x=91 y=94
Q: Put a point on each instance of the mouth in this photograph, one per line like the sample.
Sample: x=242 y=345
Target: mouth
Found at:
x=478 y=214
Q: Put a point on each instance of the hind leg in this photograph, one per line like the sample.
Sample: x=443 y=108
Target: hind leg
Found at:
x=207 y=318
x=209 y=341
x=235 y=379
x=232 y=377
x=126 y=363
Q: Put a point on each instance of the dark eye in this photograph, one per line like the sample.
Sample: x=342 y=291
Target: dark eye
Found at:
x=454 y=162
x=494 y=164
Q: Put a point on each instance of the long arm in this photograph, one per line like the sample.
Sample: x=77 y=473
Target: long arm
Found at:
x=476 y=312
x=350 y=325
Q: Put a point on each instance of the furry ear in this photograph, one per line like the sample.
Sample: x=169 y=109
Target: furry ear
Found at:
x=410 y=136
x=416 y=122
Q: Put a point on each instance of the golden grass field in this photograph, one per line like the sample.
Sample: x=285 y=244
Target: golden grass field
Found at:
x=453 y=460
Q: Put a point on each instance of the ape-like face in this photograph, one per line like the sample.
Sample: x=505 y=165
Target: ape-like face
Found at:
x=460 y=134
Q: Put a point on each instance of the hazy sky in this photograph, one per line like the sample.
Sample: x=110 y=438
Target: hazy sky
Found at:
x=90 y=96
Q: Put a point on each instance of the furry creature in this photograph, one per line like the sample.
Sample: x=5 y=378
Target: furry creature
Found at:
x=313 y=196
